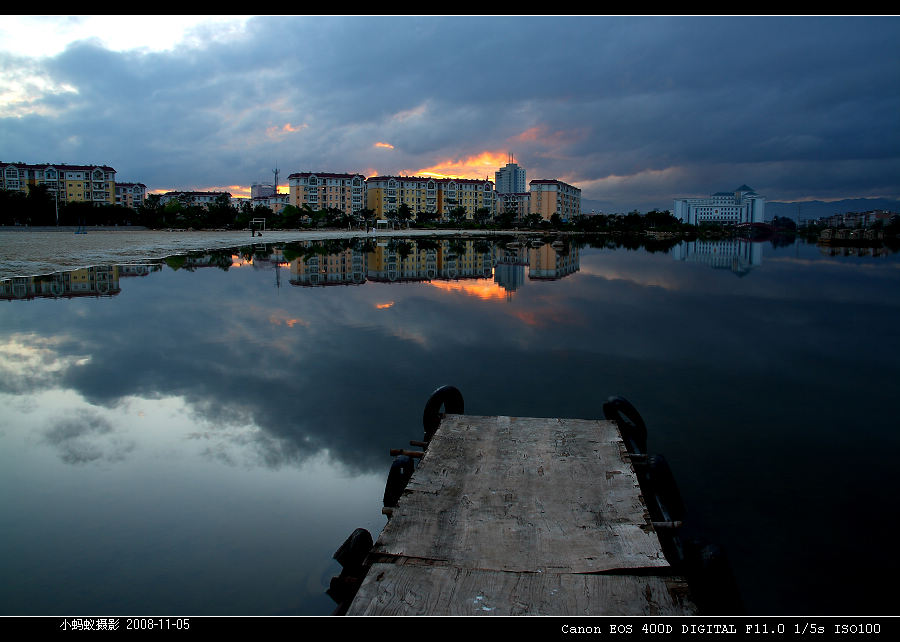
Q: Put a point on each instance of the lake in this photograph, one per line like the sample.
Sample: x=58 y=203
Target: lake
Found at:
x=197 y=435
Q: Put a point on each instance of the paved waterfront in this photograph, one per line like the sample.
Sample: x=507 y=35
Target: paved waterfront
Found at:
x=43 y=250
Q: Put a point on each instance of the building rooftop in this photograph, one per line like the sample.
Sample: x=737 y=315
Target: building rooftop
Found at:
x=56 y=166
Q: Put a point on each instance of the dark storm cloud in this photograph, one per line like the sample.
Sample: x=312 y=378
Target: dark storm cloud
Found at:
x=795 y=107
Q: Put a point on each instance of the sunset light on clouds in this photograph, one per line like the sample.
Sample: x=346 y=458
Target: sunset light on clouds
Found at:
x=479 y=166
x=620 y=112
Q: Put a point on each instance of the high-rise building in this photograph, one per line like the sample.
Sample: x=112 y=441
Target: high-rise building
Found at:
x=743 y=205
x=65 y=183
x=510 y=179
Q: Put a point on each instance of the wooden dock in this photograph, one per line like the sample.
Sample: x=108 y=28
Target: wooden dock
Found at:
x=521 y=516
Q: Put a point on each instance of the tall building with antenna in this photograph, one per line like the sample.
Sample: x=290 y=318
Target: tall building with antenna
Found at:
x=510 y=179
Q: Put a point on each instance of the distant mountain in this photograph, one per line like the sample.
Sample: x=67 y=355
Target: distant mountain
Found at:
x=803 y=210
x=806 y=210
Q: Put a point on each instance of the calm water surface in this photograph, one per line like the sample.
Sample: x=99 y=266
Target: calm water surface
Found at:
x=198 y=435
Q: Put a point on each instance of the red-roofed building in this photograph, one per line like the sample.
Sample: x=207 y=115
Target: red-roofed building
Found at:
x=325 y=190
x=434 y=196
x=65 y=183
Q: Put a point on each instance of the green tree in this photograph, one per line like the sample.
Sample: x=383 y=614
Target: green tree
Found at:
x=12 y=207
x=458 y=214
x=290 y=217
x=482 y=214
x=41 y=206
x=425 y=218
x=404 y=214
x=366 y=215
x=150 y=212
x=533 y=220
x=505 y=219
x=221 y=213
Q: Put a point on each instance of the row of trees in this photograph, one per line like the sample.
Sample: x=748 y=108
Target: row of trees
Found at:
x=39 y=208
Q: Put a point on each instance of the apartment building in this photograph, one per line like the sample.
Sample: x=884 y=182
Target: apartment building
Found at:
x=275 y=202
x=65 y=183
x=385 y=194
x=435 y=196
x=202 y=199
x=471 y=194
x=515 y=203
x=325 y=190
x=130 y=194
x=549 y=197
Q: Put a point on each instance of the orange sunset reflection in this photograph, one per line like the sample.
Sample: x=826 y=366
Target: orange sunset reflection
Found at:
x=483 y=289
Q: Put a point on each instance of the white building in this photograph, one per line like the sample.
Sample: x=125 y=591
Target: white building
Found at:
x=741 y=206
x=203 y=199
x=262 y=190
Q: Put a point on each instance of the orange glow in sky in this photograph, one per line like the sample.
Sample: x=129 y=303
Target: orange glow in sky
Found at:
x=385 y=145
x=234 y=190
x=529 y=134
x=483 y=289
x=476 y=167
x=384 y=306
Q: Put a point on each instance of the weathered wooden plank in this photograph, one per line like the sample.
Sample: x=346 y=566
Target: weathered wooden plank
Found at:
x=524 y=494
x=413 y=589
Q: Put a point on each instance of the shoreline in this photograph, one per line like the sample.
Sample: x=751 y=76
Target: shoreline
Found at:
x=27 y=251
x=38 y=251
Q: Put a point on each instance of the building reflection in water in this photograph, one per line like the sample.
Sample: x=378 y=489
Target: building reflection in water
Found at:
x=314 y=264
x=435 y=260
x=89 y=281
x=738 y=255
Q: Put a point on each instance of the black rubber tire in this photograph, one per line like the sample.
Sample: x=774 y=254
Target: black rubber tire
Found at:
x=448 y=397
x=402 y=469
x=631 y=424
x=353 y=551
x=662 y=495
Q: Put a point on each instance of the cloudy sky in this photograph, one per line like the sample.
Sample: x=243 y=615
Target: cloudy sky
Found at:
x=634 y=111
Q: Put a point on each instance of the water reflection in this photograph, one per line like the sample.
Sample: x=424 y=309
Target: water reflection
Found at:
x=226 y=410
x=343 y=262
x=737 y=255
